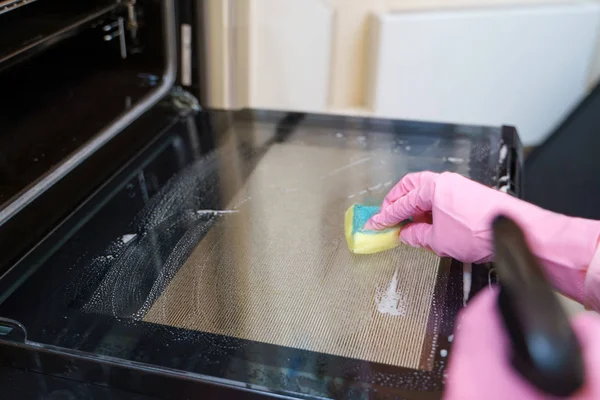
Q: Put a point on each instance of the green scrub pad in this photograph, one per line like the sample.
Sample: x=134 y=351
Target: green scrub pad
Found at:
x=363 y=241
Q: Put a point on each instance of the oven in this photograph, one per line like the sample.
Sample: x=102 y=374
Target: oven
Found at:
x=155 y=248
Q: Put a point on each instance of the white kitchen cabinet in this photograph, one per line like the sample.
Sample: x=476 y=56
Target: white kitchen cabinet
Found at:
x=272 y=54
x=523 y=66
x=289 y=54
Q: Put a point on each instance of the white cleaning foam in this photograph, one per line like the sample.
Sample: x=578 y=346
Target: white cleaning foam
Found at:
x=390 y=301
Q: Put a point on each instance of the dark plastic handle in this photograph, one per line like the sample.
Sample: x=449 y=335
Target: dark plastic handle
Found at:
x=545 y=350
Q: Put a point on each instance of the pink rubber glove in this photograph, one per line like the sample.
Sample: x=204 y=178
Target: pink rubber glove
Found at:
x=480 y=364
x=462 y=213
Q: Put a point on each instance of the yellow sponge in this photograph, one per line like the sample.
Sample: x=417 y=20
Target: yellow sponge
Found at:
x=363 y=241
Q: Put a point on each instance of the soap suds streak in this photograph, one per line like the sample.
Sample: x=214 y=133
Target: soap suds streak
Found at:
x=502 y=154
x=244 y=200
x=143 y=270
x=128 y=237
x=377 y=187
x=390 y=300
x=345 y=167
x=177 y=257
x=454 y=160
x=467 y=279
x=216 y=212
x=133 y=270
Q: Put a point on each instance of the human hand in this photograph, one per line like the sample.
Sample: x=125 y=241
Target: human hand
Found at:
x=462 y=212
x=480 y=361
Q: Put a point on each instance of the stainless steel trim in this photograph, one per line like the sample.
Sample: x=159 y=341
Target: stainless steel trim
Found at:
x=110 y=131
x=122 y=42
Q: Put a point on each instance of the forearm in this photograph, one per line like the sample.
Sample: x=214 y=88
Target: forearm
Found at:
x=567 y=249
x=482 y=349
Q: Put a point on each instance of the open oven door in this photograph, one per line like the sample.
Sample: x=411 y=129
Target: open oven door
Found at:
x=172 y=250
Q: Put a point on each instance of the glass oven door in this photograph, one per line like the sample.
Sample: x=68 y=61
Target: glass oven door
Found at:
x=219 y=252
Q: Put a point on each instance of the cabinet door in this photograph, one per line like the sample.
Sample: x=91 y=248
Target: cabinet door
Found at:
x=271 y=54
x=289 y=44
x=522 y=66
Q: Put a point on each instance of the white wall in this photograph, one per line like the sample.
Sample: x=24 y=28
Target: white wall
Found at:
x=315 y=55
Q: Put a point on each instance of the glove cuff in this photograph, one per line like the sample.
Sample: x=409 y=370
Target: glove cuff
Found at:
x=592 y=283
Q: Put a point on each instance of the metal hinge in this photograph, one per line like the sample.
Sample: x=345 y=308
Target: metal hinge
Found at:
x=116 y=30
x=132 y=21
x=184 y=101
x=12 y=330
x=119 y=27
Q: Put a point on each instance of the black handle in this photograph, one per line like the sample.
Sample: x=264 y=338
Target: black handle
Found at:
x=545 y=350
